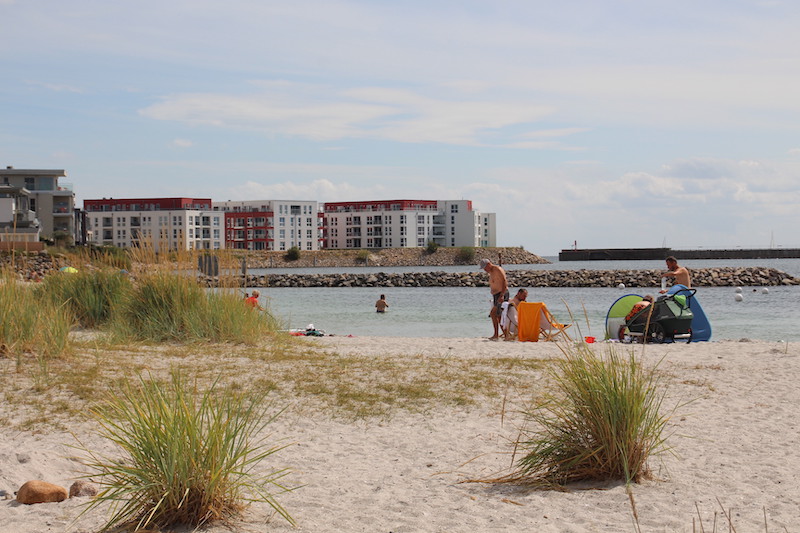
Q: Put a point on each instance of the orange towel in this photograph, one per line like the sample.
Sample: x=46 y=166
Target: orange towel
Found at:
x=529 y=315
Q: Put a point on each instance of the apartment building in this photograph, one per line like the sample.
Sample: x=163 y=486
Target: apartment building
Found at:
x=50 y=199
x=406 y=224
x=163 y=223
x=18 y=223
x=271 y=224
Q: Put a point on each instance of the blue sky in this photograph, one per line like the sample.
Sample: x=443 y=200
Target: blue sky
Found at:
x=613 y=124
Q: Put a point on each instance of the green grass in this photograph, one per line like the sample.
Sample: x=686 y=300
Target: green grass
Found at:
x=602 y=422
x=186 y=457
x=167 y=307
x=90 y=295
x=29 y=324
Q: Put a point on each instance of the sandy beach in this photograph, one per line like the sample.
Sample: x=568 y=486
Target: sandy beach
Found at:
x=402 y=470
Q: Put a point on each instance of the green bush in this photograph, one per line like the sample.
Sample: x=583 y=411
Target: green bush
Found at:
x=185 y=458
x=362 y=256
x=432 y=247
x=602 y=424
x=89 y=295
x=465 y=255
x=292 y=254
x=28 y=323
x=163 y=306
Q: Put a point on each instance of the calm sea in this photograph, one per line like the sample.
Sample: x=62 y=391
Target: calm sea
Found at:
x=463 y=312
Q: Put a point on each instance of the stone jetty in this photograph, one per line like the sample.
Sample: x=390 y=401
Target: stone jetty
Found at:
x=701 y=277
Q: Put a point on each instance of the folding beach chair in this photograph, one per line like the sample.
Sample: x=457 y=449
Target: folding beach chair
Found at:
x=536 y=322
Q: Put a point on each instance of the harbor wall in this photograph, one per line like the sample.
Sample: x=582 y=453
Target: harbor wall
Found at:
x=653 y=254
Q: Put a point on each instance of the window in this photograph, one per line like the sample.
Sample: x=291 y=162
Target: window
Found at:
x=421 y=241
x=420 y=219
x=282 y=221
x=402 y=219
x=454 y=208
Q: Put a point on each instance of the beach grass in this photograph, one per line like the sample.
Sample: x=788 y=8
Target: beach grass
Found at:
x=164 y=306
x=90 y=295
x=602 y=422
x=187 y=456
x=29 y=325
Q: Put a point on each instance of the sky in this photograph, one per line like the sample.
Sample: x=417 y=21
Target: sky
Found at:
x=606 y=124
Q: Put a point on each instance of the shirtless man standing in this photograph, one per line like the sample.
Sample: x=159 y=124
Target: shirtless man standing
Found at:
x=498 y=285
x=678 y=272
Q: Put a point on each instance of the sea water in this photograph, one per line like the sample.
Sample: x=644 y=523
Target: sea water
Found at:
x=463 y=311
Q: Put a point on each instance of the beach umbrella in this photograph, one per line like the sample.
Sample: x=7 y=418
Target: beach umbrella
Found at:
x=69 y=270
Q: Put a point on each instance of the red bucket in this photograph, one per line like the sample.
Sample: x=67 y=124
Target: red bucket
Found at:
x=589 y=340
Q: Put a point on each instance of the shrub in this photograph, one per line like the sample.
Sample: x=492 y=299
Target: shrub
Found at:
x=292 y=254
x=185 y=458
x=465 y=255
x=29 y=324
x=164 y=306
x=362 y=257
x=432 y=247
x=88 y=295
x=602 y=424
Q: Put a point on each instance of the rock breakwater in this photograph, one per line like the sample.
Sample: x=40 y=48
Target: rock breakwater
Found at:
x=701 y=277
x=393 y=257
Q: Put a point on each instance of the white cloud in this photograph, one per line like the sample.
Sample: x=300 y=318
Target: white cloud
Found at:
x=364 y=113
x=182 y=143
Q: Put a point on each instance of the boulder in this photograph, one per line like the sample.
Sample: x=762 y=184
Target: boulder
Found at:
x=36 y=491
x=82 y=488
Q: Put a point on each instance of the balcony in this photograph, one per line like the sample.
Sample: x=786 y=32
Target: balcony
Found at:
x=25 y=219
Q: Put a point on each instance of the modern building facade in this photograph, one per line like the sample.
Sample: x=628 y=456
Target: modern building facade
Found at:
x=198 y=224
x=406 y=224
x=52 y=200
x=18 y=223
x=162 y=223
x=271 y=224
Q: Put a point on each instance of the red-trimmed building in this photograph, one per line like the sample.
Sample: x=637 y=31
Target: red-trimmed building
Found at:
x=406 y=224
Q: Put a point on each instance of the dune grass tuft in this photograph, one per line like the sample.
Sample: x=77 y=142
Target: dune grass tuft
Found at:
x=186 y=457
x=164 y=306
x=89 y=294
x=602 y=422
x=28 y=324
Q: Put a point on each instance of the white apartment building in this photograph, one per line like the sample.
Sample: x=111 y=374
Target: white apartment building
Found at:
x=406 y=224
x=163 y=223
x=271 y=224
x=52 y=200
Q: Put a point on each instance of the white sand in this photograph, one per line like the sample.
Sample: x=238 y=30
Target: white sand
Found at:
x=736 y=442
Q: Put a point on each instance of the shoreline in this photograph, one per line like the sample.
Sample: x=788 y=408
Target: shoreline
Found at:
x=733 y=438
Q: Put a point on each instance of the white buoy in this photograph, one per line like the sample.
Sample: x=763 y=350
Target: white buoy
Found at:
x=765 y=291
x=738 y=290
x=738 y=297
x=621 y=286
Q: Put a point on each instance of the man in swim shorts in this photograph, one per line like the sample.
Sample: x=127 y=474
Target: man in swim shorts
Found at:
x=498 y=285
x=681 y=274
